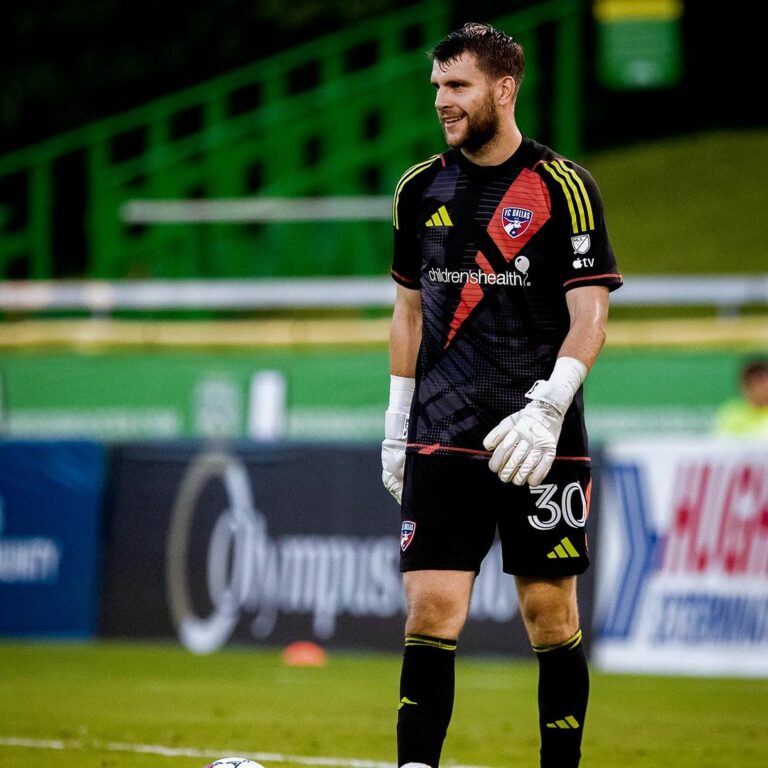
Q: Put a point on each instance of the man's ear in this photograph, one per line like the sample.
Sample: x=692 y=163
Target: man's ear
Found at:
x=505 y=90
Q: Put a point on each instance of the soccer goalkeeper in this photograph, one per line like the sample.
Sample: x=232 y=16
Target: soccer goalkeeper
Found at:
x=504 y=267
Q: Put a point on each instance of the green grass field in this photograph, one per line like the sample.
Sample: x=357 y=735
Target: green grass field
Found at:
x=115 y=705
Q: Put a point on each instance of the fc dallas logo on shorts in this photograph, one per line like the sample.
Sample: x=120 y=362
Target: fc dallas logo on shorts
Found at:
x=406 y=534
x=516 y=220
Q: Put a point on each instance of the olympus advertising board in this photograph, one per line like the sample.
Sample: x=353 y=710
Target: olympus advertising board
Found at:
x=269 y=545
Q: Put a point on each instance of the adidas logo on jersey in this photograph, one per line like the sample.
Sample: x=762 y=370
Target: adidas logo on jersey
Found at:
x=440 y=218
x=563 y=550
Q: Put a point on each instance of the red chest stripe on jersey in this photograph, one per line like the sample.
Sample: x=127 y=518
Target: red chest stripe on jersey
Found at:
x=471 y=296
x=483 y=263
x=527 y=192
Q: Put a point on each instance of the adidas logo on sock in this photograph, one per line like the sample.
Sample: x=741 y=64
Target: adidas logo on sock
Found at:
x=566 y=724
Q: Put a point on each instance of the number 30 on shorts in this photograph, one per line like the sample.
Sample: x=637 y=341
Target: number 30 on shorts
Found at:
x=558 y=506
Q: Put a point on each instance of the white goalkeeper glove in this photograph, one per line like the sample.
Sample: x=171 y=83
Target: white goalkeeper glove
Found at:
x=395 y=433
x=524 y=444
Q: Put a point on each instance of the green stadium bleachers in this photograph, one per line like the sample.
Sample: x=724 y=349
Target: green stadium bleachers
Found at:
x=342 y=115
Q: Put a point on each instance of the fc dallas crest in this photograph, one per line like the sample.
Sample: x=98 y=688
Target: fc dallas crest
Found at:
x=516 y=220
x=406 y=534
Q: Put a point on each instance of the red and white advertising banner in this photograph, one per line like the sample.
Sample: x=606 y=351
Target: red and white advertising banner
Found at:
x=682 y=568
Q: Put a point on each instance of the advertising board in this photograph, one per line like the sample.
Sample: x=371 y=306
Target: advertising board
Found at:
x=270 y=545
x=135 y=395
x=683 y=564
x=50 y=507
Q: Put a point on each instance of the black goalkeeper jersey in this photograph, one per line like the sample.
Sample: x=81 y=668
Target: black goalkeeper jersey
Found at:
x=494 y=251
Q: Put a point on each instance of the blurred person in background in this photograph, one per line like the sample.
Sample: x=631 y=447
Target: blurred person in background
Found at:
x=748 y=416
x=503 y=266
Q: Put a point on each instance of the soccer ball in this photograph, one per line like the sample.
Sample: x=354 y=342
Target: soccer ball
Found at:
x=234 y=762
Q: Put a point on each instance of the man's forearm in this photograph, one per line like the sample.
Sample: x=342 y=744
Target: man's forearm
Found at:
x=404 y=342
x=586 y=335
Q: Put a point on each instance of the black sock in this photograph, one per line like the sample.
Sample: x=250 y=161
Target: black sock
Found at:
x=563 y=694
x=426 y=698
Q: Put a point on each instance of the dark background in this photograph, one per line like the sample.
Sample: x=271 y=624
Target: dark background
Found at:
x=66 y=63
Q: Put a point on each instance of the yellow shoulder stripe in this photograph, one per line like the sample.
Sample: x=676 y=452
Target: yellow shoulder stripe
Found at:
x=548 y=168
x=580 y=184
x=579 y=205
x=413 y=171
x=562 y=171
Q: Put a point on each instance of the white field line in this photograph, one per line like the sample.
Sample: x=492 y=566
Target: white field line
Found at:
x=206 y=754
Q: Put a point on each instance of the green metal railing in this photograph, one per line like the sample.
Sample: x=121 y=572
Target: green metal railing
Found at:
x=343 y=115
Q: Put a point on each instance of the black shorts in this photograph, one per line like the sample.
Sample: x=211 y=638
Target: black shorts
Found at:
x=452 y=507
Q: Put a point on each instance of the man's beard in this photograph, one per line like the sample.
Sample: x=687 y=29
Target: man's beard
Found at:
x=482 y=127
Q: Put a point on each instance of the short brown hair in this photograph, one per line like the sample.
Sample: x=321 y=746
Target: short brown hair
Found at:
x=497 y=53
x=754 y=369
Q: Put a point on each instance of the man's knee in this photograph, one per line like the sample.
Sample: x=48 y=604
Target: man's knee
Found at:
x=549 y=609
x=438 y=602
x=435 y=615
